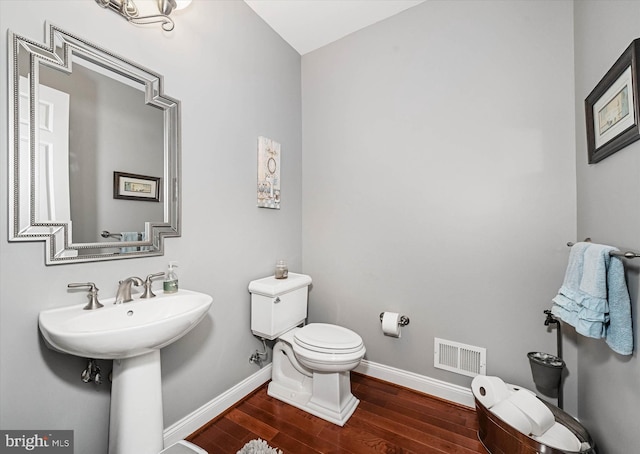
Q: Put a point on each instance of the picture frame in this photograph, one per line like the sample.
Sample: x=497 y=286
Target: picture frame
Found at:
x=612 y=108
x=268 y=190
x=131 y=186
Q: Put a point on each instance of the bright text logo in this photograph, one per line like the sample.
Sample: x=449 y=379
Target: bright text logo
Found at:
x=36 y=441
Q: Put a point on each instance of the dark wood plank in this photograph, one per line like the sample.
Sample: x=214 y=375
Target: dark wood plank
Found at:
x=217 y=440
x=390 y=419
x=233 y=429
x=427 y=434
x=304 y=430
x=253 y=424
x=358 y=441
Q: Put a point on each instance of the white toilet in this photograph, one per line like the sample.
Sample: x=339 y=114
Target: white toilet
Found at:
x=312 y=364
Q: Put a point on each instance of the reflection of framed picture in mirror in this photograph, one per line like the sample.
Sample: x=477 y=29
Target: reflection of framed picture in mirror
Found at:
x=130 y=186
x=612 y=108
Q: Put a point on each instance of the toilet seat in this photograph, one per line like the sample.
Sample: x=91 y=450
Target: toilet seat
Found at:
x=327 y=348
x=327 y=338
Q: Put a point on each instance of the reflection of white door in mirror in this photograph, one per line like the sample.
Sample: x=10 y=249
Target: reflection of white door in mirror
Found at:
x=53 y=152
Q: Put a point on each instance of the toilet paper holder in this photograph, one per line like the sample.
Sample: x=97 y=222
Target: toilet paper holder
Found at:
x=404 y=320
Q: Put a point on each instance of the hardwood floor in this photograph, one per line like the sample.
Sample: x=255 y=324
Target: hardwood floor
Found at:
x=390 y=419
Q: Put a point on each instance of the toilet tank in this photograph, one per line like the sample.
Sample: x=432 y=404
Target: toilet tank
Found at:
x=278 y=305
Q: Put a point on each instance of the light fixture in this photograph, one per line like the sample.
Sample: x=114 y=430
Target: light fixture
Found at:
x=129 y=10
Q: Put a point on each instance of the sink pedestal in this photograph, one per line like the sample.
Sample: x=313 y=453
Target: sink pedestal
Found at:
x=136 y=423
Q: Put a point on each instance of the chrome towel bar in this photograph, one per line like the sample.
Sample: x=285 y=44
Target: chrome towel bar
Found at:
x=627 y=255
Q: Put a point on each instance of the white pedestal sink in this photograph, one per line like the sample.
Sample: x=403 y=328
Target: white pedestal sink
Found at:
x=131 y=334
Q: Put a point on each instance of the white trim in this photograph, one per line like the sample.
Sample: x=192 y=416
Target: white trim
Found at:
x=219 y=404
x=215 y=407
x=422 y=383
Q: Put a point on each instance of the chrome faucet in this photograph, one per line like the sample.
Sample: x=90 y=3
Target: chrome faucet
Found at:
x=148 y=293
x=124 y=289
x=93 y=295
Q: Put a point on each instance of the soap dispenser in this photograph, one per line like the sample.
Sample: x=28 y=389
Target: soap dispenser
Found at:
x=170 y=284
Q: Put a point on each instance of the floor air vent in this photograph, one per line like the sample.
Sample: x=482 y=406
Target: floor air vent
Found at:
x=459 y=358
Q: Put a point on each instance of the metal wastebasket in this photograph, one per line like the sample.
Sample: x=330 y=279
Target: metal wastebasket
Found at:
x=546 y=369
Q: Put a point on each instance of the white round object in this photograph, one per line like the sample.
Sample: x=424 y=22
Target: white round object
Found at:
x=489 y=390
x=328 y=348
x=539 y=415
x=326 y=338
x=512 y=415
x=560 y=437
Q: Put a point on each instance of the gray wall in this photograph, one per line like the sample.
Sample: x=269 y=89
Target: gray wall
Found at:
x=608 y=202
x=439 y=181
x=237 y=80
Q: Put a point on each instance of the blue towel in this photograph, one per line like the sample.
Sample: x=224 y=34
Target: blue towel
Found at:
x=619 y=331
x=594 y=296
x=130 y=236
x=143 y=237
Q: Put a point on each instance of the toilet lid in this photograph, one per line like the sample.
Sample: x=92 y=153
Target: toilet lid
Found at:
x=326 y=338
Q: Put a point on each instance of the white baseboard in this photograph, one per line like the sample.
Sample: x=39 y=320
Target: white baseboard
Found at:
x=438 y=388
x=422 y=383
x=192 y=422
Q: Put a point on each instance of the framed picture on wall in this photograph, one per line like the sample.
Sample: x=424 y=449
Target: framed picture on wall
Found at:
x=268 y=173
x=129 y=186
x=612 y=108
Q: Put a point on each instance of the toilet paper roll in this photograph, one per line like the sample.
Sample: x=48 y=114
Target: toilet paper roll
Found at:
x=512 y=415
x=489 y=390
x=559 y=437
x=391 y=324
x=514 y=388
x=539 y=415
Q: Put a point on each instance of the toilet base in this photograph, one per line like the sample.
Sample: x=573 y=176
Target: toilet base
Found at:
x=329 y=398
x=326 y=395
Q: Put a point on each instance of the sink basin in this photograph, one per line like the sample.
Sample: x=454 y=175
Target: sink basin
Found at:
x=131 y=334
x=124 y=330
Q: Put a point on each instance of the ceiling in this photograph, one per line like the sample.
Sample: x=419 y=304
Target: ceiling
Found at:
x=309 y=24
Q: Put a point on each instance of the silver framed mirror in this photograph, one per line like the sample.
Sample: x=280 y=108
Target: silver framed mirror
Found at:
x=94 y=151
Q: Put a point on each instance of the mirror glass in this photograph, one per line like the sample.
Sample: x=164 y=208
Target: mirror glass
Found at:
x=95 y=151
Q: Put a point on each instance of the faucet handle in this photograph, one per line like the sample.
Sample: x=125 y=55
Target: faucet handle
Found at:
x=147 y=285
x=93 y=295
